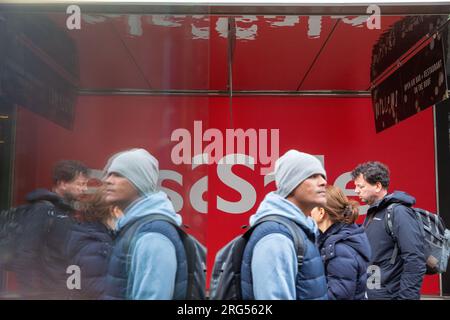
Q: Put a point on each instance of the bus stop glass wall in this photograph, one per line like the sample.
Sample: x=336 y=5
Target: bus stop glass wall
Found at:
x=121 y=81
x=85 y=90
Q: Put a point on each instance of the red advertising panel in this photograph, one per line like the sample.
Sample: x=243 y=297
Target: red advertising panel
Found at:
x=216 y=200
x=341 y=132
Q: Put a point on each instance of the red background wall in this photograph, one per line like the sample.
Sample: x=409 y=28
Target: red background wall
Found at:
x=340 y=129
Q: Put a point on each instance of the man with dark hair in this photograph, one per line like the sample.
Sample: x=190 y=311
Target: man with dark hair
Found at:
x=69 y=179
x=42 y=251
x=398 y=262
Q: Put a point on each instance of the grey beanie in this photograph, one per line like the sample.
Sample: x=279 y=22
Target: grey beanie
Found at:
x=138 y=166
x=293 y=168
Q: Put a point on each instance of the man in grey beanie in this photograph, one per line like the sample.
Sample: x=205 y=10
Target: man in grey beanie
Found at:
x=148 y=255
x=138 y=166
x=272 y=267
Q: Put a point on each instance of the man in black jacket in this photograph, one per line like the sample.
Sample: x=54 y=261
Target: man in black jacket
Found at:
x=398 y=265
x=42 y=254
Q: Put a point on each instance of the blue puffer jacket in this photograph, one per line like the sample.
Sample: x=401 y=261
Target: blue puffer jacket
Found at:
x=90 y=245
x=152 y=265
x=270 y=265
x=346 y=252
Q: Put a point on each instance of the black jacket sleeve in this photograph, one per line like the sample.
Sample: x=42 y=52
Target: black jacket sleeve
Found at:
x=411 y=250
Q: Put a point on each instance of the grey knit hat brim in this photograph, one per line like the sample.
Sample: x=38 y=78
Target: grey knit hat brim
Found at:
x=138 y=166
x=293 y=168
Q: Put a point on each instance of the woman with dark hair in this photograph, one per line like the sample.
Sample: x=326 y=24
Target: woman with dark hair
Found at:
x=343 y=245
x=90 y=244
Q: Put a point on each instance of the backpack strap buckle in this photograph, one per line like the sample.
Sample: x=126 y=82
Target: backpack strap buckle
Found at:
x=300 y=259
x=389 y=224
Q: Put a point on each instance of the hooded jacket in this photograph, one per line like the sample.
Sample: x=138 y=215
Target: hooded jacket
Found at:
x=155 y=259
x=89 y=247
x=270 y=269
x=346 y=253
x=403 y=279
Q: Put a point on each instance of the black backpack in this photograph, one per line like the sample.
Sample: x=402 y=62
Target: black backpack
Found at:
x=226 y=274
x=11 y=231
x=436 y=238
x=13 y=222
x=195 y=255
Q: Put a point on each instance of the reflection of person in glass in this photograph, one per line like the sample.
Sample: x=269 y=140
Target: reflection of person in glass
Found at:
x=42 y=259
x=148 y=260
x=90 y=244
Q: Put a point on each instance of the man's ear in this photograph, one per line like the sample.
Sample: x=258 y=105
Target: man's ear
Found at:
x=379 y=186
x=61 y=185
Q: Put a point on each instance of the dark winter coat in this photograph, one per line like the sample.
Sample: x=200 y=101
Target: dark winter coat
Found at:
x=403 y=278
x=345 y=251
x=42 y=250
x=89 y=247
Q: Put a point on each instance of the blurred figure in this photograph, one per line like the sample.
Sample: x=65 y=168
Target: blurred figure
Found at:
x=90 y=244
x=42 y=258
x=343 y=245
x=149 y=260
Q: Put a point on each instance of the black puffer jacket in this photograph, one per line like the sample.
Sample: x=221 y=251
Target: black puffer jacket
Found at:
x=89 y=247
x=42 y=251
x=403 y=278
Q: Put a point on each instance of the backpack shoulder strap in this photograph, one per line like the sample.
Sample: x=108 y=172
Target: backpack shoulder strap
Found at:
x=389 y=220
x=299 y=243
x=389 y=226
x=190 y=247
x=130 y=230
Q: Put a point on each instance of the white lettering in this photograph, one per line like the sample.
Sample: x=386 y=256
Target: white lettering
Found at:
x=374 y=277
x=74 y=280
x=374 y=21
x=199 y=187
x=175 y=197
x=74 y=20
x=246 y=190
x=237 y=141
